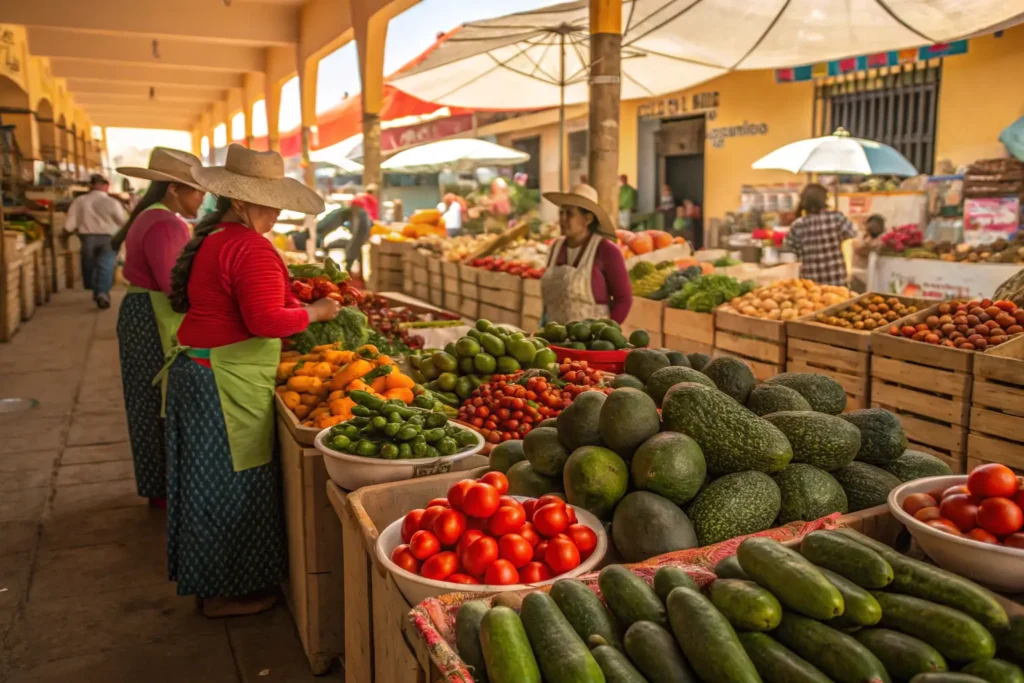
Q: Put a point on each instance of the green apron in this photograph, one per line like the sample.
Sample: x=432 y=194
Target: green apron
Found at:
x=167 y=321
x=245 y=373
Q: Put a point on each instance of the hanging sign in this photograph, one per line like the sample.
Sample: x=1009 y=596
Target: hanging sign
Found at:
x=677 y=105
x=937 y=280
x=987 y=219
x=848 y=65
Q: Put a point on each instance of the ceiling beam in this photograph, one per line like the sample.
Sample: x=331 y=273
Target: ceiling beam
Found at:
x=136 y=121
x=156 y=76
x=97 y=101
x=93 y=90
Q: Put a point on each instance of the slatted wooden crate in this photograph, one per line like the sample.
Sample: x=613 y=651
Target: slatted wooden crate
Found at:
x=41 y=274
x=48 y=272
x=647 y=315
x=997 y=407
x=60 y=266
x=11 y=294
x=28 y=287
x=688 y=331
x=759 y=342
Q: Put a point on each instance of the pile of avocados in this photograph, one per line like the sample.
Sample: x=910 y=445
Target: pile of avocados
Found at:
x=603 y=334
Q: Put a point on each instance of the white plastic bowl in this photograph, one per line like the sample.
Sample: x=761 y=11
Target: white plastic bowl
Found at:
x=995 y=566
x=416 y=588
x=352 y=472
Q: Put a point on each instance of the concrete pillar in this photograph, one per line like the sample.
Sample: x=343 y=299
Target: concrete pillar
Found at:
x=605 y=91
x=273 y=99
x=371 y=36
x=307 y=105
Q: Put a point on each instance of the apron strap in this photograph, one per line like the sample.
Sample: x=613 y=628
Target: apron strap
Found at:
x=161 y=377
x=590 y=253
x=556 y=249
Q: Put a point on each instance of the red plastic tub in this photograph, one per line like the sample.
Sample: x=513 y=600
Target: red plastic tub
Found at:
x=608 y=361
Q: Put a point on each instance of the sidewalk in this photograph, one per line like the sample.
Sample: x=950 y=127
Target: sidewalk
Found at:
x=84 y=594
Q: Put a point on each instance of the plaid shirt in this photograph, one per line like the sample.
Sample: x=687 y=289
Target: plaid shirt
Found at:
x=818 y=239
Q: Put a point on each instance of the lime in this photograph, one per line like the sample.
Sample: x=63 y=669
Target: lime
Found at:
x=445 y=362
x=467 y=347
x=579 y=346
x=474 y=333
x=544 y=358
x=539 y=342
x=463 y=388
x=507 y=365
x=449 y=348
x=522 y=350
x=466 y=366
x=482 y=324
x=517 y=335
x=446 y=381
x=428 y=368
x=554 y=332
x=493 y=344
x=639 y=338
x=484 y=363
x=580 y=332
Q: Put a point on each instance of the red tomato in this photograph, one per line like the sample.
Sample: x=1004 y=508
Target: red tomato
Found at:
x=548 y=500
x=404 y=558
x=515 y=549
x=457 y=492
x=497 y=480
x=424 y=544
x=584 y=538
x=440 y=566
x=550 y=519
x=1001 y=516
x=528 y=507
x=501 y=573
x=1019 y=498
x=458 y=577
x=916 y=501
x=467 y=538
x=961 y=510
x=479 y=555
x=482 y=500
x=943 y=524
x=442 y=502
x=927 y=514
x=477 y=523
x=562 y=555
x=511 y=502
x=570 y=513
x=535 y=572
x=539 y=551
x=992 y=480
x=411 y=524
x=448 y=527
x=980 y=534
x=430 y=515
x=936 y=494
x=1015 y=540
x=953 y=490
x=506 y=520
x=529 y=533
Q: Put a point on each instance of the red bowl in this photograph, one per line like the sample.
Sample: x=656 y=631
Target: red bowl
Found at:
x=608 y=361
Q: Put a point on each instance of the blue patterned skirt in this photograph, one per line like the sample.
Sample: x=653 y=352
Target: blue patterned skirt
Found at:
x=225 y=529
x=142 y=356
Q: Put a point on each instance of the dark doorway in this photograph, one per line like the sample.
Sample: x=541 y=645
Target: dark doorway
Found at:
x=532 y=167
x=681 y=156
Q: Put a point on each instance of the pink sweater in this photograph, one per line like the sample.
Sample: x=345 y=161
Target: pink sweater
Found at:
x=609 y=279
x=154 y=241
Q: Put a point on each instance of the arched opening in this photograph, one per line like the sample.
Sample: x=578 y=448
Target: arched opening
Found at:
x=74 y=149
x=62 y=141
x=220 y=144
x=47 y=131
x=259 y=126
x=14 y=111
x=204 y=149
x=238 y=127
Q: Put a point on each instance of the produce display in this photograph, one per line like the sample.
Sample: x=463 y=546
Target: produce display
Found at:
x=787 y=300
x=972 y=326
x=648 y=278
x=644 y=242
x=868 y=314
x=453 y=248
x=425 y=222
x=523 y=269
x=705 y=293
x=591 y=335
x=908 y=243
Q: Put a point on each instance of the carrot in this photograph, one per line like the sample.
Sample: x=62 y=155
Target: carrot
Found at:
x=310 y=357
x=335 y=395
x=291 y=399
x=325 y=421
x=311 y=400
x=321 y=370
x=384 y=360
x=304 y=385
x=285 y=370
x=289 y=355
x=359 y=385
x=337 y=357
x=397 y=380
x=379 y=384
x=354 y=370
x=302 y=412
x=342 y=407
x=403 y=393
x=318 y=412
x=280 y=389
x=367 y=351
x=324 y=347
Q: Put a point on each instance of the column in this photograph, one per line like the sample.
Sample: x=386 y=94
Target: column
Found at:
x=605 y=91
x=371 y=36
x=273 y=99
x=307 y=107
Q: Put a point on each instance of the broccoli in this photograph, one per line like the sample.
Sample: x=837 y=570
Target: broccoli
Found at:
x=705 y=293
x=641 y=270
x=349 y=327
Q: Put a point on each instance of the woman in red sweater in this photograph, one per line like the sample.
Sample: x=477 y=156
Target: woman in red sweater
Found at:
x=225 y=530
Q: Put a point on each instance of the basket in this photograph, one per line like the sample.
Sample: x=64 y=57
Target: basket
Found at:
x=609 y=361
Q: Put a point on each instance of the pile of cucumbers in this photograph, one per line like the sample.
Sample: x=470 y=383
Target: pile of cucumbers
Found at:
x=844 y=608
x=390 y=430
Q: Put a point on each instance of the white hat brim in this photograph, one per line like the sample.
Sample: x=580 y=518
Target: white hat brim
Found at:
x=159 y=176
x=278 y=193
x=605 y=225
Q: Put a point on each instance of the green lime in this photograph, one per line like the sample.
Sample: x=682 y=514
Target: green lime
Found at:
x=474 y=333
x=554 y=332
x=507 y=365
x=522 y=350
x=517 y=335
x=580 y=332
x=449 y=348
x=484 y=363
x=463 y=388
x=639 y=338
x=466 y=366
x=446 y=381
x=445 y=362
x=429 y=369
x=544 y=358
x=539 y=342
x=482 y=324
x=467 y=347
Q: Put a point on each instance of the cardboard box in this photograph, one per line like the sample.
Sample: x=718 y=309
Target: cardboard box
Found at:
x=645 y=314
x=533 y=307
x=531 y=288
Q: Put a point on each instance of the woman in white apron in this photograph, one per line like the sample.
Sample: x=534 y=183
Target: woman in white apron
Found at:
x=586 y=275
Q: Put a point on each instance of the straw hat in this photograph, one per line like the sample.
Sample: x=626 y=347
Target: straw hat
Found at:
x=585 y=197
x=258 y=177
x=167 y=165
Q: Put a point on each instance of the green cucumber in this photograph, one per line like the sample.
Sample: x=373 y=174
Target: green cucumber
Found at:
x=667 y=578
x=708 y=640
x=903 y=656
x=838 y=655
x=561 y=653
x=653 y=650
x=729 y=568
x=928 y=582
x=776 y=663
x=746 y=605
x=467 y=637
x=797 y=583
x=506 y=648
x=1010 y=641
x=957 y=636
x=946 y=677
x=585 y=612
x=995 y=671
x=848 y=558
x=615 y=666
x=860 y=608
x=629 y=597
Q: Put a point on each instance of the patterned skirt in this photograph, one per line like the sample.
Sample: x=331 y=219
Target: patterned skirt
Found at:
x=142 y=356
x=225 y=529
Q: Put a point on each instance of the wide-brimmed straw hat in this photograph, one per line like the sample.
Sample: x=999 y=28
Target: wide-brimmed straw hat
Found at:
x=258 y=178
x=585 y=197
x=167 y=165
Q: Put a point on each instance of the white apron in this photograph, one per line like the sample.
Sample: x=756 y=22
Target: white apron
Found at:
x=567 y=290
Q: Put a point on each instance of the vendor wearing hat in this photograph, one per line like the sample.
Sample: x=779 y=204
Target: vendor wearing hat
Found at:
x=586 y=275
x=225 y=528
x=154 y=235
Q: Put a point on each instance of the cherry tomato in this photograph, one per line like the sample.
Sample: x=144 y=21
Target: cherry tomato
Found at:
x=424 y=544
x=482 y=500
x=993 y=479
x=430 y=515
x=539 y=551
x=916 y=501
x=479 y=555
x=467 y=538
x=529 y=533
x=1015 y=540
x=501 y=573
x=961 y=510
x=457 y=492
x=562 y=555
x=442 y=502
x=411 y=524
x=927 y=514
x=943 y=524
x=440 y=566
x=535 y=572
x=515 y=549
x=458 y=577
x=448 y=527
x=584 y=538
x=570 y=514
x=953 y=490
x=549 y=499
x=980 y=534
x=1001 y=516
x=404 y=558
x=550 y=519
x=528 y=507
x=497 y=480
x=506 y=520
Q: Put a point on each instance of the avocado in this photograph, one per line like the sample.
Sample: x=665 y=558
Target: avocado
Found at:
x=506 y=454
x=775 y=398
x=523 y=480
x=882 y=438
x=507 y=365
x=628 y=418
x=580 y=332
x=865 y=485
x=549 y=422
x=523 y=351
x=646 y=524
x=627 y=380
x=544 y=451
x=735 y=505
x=642 y=363
x=601 y=345
x=731 y=437
x=671 y=465
x=808 y=493
x=823 y=440
x=916 y=465
x=664 y=379
x=580 y=346
x=615 y=336
x=825 y=394
x=732 y=376
x=579 y=424
x=640 y=338
x=467 y=347
x=677 y=358
x=595 y=479
x=698 y=361
x=553 y=332
x=484 y=363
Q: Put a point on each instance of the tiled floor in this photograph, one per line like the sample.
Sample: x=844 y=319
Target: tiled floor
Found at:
x=84 y=594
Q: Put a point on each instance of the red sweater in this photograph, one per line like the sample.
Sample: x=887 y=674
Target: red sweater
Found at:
x=239 y=289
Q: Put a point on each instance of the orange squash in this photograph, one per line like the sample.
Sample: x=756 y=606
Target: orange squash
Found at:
x=661 y=239
x=642 y=244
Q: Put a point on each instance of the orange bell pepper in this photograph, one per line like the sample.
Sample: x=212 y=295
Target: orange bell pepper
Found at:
x=404 y=394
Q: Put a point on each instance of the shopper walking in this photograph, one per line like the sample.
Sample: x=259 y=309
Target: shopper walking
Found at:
x=817 y=237
x=365 y=210
x=627 y=202
x=225 y=530
x=153 y=236
x=94 y=217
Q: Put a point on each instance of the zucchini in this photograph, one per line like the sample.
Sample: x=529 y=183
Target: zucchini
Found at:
x=928 y=582
x=946 y=677
x=655 y=654
x=837 y=655
x=1010 y=642
x=707 y=639
x=848 y=558
x=860 y=608
x=729 y=568
x=506 y=648
x=467 y=637
x=995 y=671
x=776 y=663
x=903 y=656
x=585 y=612
x=667 y=578
x=560 y=652
x=615 y=666
x=957 y=636
x=747 y=606
x=797 y=583
x=629 y=597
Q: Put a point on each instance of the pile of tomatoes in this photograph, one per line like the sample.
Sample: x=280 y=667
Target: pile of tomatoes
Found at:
x=480 y=535
x=987 y=509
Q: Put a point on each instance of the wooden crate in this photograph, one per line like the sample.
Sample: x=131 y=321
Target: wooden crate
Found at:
x=435 y=281
x=470 y=308
x=60 y=268
x=503 y=281
x=421 y=291
x=35 y=250
x=529 y=324
x=48 y=272
x=304 y=436
x=645 y=314
x=28 y=287
x=698 y=328
x=499 y=315
x=435 y=296
x=468 y=273
x=761 y=343
x=677 y=343
x=11 y=295
x=997 y=407
x=451 y=302
x=532 y=287
x=73 y=269
x=433 y=264
x=533 y=307
x=501 y=298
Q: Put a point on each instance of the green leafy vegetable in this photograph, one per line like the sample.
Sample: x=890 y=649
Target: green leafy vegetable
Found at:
x=705 y=293
x=349 y=327
x=328 y=269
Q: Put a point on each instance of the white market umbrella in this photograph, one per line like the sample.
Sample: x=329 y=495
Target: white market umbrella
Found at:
x=837 y=154
x=339 y=155
x=461 y=155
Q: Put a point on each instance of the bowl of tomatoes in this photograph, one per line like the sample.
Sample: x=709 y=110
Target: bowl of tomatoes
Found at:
x=479 y=539
x=972 y=525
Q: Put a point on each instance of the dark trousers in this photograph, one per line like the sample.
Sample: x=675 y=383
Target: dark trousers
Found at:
x=360 y=229
x=98 y=261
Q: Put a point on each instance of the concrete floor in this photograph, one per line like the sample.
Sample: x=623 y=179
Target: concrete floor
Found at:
x=84 y=594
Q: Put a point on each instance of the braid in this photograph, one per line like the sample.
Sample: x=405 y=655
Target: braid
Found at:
x=183 y=268
x=154 y=195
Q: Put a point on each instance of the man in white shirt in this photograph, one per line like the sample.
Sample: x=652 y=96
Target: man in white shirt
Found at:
x=95 y=217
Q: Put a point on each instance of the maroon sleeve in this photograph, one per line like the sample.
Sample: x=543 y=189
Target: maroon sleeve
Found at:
x=620 y=290
x=162 y=244
x=260 y=283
